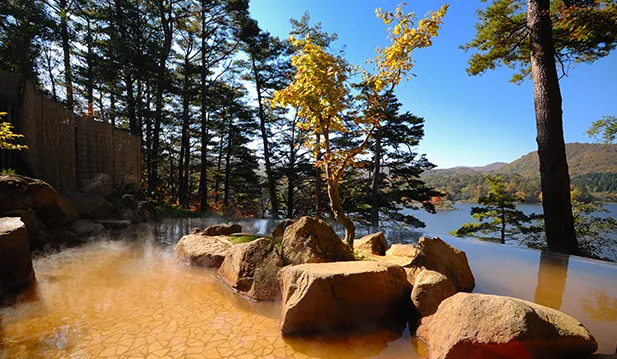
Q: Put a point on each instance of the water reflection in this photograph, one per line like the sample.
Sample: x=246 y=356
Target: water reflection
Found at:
x=552 y=275
x=600 y=306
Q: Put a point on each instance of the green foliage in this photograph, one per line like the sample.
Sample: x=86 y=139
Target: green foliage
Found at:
x=357 y=255
x=498 y=214
x=593 y=226
x=582 y=32
x=604 y=129
x=9 y=171
x=242 y=239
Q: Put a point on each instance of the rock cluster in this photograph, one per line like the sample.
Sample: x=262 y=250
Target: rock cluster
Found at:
x=322 y=289
x=55 y=220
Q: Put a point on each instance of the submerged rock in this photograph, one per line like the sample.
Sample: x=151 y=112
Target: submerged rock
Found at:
x=223 y=229
x=311 y=240
x=54 y=240
x=326 y=296
x=279 y=230
x=251 y=269
x=429 y=290
x=15 y=259
x=489 y=326
x=203 y=251
x=374 y=243
x=435 y=254
x=83 y=227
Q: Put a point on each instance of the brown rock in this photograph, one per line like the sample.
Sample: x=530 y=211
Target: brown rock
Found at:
x=55 y=240
x=15 y=258
x=311 y=240
x=374 y=243
x=429 y=290
x=326 y=296
x=203 y=251
x=437 y=255
x=489 y=326
x=223 y=229
x=402 y=250
x=251 y=269
x=89 y=205
x=279 y=230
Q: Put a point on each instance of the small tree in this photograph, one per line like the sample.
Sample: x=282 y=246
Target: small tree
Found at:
x=321 y=93
x=7 y=136
x=498 y=214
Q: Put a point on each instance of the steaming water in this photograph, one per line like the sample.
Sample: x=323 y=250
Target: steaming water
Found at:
x=122 y=299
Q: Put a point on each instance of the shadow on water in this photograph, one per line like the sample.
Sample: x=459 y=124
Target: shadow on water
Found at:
x=552 y=275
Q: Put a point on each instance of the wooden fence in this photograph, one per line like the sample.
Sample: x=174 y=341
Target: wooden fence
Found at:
x=65 y=150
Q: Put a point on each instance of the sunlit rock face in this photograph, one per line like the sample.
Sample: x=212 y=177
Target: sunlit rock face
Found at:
x=15 y=259
x=202 y=251
x=374 y=243
x=326 y=296
x=311 y=240
x=429 y=290
x=251 y=269
x=488 y=326
x=223 y=229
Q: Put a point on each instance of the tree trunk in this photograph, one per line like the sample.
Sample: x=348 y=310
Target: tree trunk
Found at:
x=291 y=177
x=90 y=64
x=503 y=226
x=264 y=136
x=203 y=173
x=318 y=182
x=64 y=33
x=51 y=75
x=337 y=210
x=375 y=182
x=217 y=184
x=184 y=143
x=130 y=102
x=228 y=164
x=559 y=223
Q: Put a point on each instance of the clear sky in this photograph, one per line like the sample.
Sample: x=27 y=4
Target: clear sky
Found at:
x=470 y=121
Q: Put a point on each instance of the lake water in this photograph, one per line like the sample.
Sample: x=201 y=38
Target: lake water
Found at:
x=131 y=298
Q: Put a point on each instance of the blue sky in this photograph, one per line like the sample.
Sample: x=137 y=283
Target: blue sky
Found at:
x=470 y=121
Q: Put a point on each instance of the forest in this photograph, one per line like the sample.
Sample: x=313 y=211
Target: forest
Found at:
x=194 y=79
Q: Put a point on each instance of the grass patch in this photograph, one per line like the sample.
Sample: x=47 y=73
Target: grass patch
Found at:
x=242 y=239
x=359 y=256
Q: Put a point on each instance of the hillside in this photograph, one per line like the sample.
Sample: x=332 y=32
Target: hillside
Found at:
x=583 y=158
x=593 y=168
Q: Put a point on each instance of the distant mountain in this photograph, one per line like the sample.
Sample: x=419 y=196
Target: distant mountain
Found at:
x=583 y=158
x=493 y=167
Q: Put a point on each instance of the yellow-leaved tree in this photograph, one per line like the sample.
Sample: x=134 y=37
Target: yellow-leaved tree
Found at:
x=7 y=136
x=321 y=93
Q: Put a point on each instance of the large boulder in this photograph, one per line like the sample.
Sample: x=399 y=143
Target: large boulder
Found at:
x=89 y=205
x=489 y=326
x=429 y=290
x=54 y=240
x=311 y=240
x=146 y=212
x=23 y=193
x=202 y=251
x=251 y=268
x=32 y=222
x=374 y=243
x=223 y=229
x=435 y=254
x=15 y=258
x=279 y=230
x=326 y=296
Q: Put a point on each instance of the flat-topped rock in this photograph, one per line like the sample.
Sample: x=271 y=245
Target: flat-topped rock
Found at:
x=15 y=259
x=223 y=229
x=429 y=290
x=203 y=251
x=489 y=326
x=251 y=269
x=327 y=296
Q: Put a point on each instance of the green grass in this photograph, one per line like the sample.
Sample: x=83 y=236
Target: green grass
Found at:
x=242 y=239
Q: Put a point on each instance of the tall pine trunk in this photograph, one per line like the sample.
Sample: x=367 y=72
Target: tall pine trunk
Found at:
x=203 y=173
x=66 y=50
x=554 y=175
x=184 y=143
x=264 y=136
x=375 y=180
x=90 y=70
x=228 y=164
x=291 y=177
